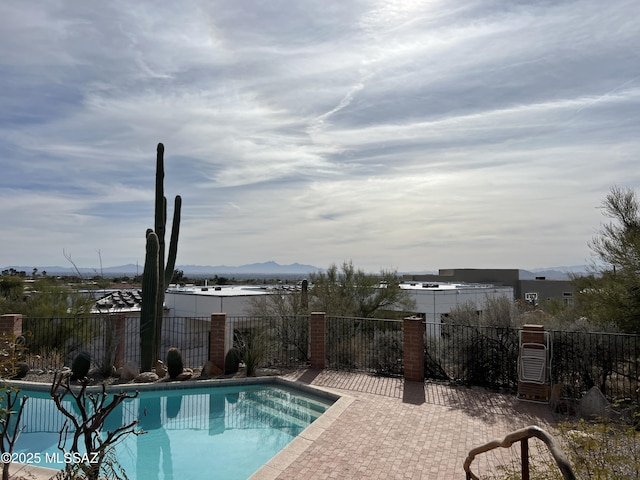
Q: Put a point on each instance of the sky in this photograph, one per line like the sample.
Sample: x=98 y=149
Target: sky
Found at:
x=399 y=135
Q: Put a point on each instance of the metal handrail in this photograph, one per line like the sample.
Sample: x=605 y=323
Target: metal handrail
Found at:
x=523 y=436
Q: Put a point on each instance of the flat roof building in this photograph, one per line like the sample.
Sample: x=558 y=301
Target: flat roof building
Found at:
x=202 y=301
x=531 y=290
x=436 y=300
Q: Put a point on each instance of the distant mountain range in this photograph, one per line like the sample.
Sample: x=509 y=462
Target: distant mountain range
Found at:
x=554 y=273
x=265 y=269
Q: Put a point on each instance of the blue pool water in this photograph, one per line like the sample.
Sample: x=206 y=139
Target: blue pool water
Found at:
x=223 y=432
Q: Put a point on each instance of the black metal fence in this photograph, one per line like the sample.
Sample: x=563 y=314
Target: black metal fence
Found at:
x=275 y=341
x=488 y=357
x=53 y=343
x=475 y=355
x=609 y=361
x=365 y=344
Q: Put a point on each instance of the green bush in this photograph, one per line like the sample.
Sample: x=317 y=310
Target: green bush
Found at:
x=253 y=345
x=387 y=352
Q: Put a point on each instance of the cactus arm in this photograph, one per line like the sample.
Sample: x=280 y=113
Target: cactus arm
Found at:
x=159 y=225
x=173 y=242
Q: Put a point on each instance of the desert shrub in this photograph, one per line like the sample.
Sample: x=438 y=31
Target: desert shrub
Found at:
x=598 y=450
x=481 y=347
x=253 y=346
x=291 y=332
x=387 y=352
x=603 y=449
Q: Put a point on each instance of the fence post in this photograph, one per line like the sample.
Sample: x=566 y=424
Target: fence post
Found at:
x=217 y=339
x=120 y=337
x=317 y=337
x=413 y=338
x=11 y=324
x=10 y=329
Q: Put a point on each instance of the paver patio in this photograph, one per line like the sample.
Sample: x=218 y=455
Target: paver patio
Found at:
x=386 y=428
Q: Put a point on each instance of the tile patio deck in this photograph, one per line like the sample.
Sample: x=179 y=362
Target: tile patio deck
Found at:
x=385 y=428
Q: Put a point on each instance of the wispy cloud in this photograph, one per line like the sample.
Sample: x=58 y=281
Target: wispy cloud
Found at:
x=410 y=135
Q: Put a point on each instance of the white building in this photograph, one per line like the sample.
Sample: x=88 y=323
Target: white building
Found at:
x=435 y=300
x=198 y=302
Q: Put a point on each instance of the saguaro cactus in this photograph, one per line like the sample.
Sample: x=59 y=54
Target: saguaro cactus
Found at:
x=150 y=338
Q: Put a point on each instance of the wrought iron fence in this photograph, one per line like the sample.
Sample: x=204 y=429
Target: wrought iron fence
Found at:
x=478 y=355
x=475 y=355
x=609 y=361
x=274 y=341
x=53 y=343
x=487 y=356
x=365 y=344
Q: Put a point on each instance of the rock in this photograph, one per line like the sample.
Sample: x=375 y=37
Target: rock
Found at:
x=184 y=375
x=210 y=369
x=593 y=404
x=128 y=372
x=161 y=369
x=146 y=377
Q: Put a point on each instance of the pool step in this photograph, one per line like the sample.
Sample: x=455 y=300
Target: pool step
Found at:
x=291 y=403
x=273 y=417
x=280 y=410
x=317 y=405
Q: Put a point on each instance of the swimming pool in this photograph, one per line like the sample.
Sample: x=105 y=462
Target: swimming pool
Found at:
x=225 y=431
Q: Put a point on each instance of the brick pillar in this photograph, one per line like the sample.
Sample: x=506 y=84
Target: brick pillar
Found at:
x=217 y=339
x=317 y=337
x=413 y=337
x=10 y=329
x=120 y=336
x=533 y=334
x=11 y=325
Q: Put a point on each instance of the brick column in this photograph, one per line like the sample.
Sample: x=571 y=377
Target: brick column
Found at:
x=10 y=329
x=217 y=339
x=120 y=336
x=413 y=337
x=317 y=337
x=533 y=334
x=11 y=324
